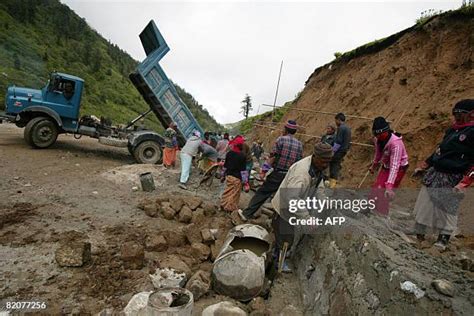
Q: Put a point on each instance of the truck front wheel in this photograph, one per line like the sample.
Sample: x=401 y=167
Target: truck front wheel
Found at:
x=148 y=152
x=41 y=132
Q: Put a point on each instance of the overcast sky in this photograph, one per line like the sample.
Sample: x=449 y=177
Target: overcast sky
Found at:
x=222 y=50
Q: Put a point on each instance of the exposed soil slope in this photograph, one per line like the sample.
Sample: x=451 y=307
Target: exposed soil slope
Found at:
x=413 y=81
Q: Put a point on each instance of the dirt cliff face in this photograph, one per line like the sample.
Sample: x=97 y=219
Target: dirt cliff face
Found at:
x=413 y=82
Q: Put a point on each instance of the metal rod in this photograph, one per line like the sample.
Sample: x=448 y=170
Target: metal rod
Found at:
x=276 y=93
x=138 y=118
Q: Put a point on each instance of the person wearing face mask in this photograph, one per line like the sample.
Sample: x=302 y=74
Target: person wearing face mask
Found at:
x=390 y=152
x=448 y=172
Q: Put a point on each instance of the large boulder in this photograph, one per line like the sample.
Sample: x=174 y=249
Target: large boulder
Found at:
x=239 y=274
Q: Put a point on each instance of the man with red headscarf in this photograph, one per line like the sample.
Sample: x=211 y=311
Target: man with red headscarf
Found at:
x=234 y=168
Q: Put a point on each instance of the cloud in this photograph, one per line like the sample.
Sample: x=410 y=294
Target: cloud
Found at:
x=222 y=50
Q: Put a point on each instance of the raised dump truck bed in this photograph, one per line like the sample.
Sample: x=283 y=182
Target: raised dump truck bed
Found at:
x=156 y=88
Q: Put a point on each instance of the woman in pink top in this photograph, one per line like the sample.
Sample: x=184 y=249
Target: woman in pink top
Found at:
x=391 y=153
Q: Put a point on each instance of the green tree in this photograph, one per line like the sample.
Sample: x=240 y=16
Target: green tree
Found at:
x=247 y=107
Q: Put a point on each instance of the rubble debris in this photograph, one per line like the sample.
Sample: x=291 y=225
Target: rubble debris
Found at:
x=156 y=243
x=174 y=238
x=133 y=255
x=177 y=204
x=170 y=301
x=73 y=254
x=411 y=287
x=444 y=287
x=150 y=210
x=166 y=277
x=199 y=284
x=174 y=262
x=207 y=236
x=161 y=199
x=185 y=215
x=136 y=304
x=466 y=263
x=209 y=208
x=290 y=310
x=223 y=308
x=200 y=251
x=193 y=234
x=198 y=216
x=257 y=304
x=168 y=212
x=193 y=202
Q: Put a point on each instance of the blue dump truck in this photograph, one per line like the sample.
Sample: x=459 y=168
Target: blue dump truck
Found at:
x=55 y=109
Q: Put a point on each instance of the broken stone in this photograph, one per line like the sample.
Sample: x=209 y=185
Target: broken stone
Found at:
x=177 y=204
x=215 y=249
x=372 y=300
x=223 y=308
x=167 y=277
x=466 y=263
x=133 y=255
x=290 y=310
x=257 y=304
x=444 y=287
x=73 y=254
x=193 y=235
x=156 y=243
x=411 y=287
x=209 y=209
x=185 y=215
x=141 y=204
x=151 y=210
x=137 y=304
x=207 y=236
x=199 y=284
x=173 y=262
x=168 y=212
x=174 y=238
x=198 y=216
x=193 y=202
x=106 y=312
x=161 y=199
x=200 y=251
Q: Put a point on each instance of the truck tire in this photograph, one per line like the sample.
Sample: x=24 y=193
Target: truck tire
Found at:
x=148 y=152
x=27 y=134
x=42 y=132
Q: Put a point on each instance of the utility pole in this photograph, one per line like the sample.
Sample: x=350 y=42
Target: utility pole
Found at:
x=276 y=93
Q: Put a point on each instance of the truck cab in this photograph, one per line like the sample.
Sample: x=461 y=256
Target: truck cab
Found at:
x=59 y=100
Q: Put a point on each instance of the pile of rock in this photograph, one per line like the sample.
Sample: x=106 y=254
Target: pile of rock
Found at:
x=185 y=209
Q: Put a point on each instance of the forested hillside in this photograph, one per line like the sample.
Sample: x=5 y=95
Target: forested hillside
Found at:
x=39 y=36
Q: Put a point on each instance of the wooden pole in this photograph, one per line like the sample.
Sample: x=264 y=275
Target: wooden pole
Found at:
x=276 y=93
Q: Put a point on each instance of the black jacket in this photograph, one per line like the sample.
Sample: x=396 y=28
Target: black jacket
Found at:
x=455 y=154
